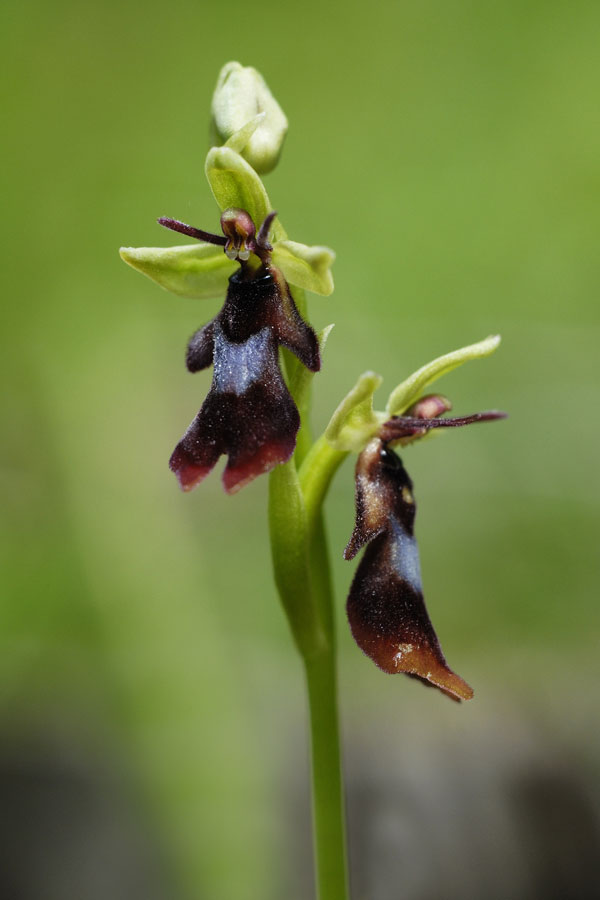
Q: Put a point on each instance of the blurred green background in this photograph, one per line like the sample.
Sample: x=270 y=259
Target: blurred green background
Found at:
x=152 y=719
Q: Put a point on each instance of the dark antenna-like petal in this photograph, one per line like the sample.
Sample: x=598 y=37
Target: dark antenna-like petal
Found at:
x=406 y=426
x=262 y=238
x=182 y=228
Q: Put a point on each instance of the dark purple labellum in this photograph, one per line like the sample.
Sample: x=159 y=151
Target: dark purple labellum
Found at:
x=386 y=609
x=249 y=414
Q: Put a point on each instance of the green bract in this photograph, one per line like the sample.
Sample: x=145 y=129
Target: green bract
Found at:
x=354 y=422
x=202 y=270
x=240 y=94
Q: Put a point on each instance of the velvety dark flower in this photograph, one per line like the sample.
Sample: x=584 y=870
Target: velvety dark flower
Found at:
x=249 y=414
x=386 y=608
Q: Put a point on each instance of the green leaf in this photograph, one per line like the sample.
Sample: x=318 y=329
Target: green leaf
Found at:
x=410 y=390
x=354 y=422
x=307 y=267
x=200 y=271
x=234 y=182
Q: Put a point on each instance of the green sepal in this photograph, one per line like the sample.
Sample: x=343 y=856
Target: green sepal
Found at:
x=307 y=267
x=199 y=271
x=411 y=389
x=354 y=422
x=234 y=182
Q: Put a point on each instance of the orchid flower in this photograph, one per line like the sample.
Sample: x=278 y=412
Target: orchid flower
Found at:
x=249 y=414
x=386 y=609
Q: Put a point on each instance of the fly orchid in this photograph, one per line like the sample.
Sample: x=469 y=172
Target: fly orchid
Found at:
x=259 y=419
x=386 y=609
x=249 y=413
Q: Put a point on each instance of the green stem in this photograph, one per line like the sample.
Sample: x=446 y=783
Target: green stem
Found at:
x=316 y=472
x=327 y=784
x=301 y=565
x=290 y=553
x=329 y=833
x=327 y=794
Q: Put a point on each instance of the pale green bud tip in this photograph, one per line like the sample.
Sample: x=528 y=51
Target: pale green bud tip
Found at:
x=242 y=96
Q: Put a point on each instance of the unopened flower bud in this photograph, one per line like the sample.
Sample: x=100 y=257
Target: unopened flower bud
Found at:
x=240 y=96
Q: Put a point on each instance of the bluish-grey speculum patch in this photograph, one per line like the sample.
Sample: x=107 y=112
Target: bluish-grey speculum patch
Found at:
x=249 y=414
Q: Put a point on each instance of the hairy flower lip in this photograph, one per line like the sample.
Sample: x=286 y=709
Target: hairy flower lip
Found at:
x=386 y=609
x=242 y=342
x=249 y=414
